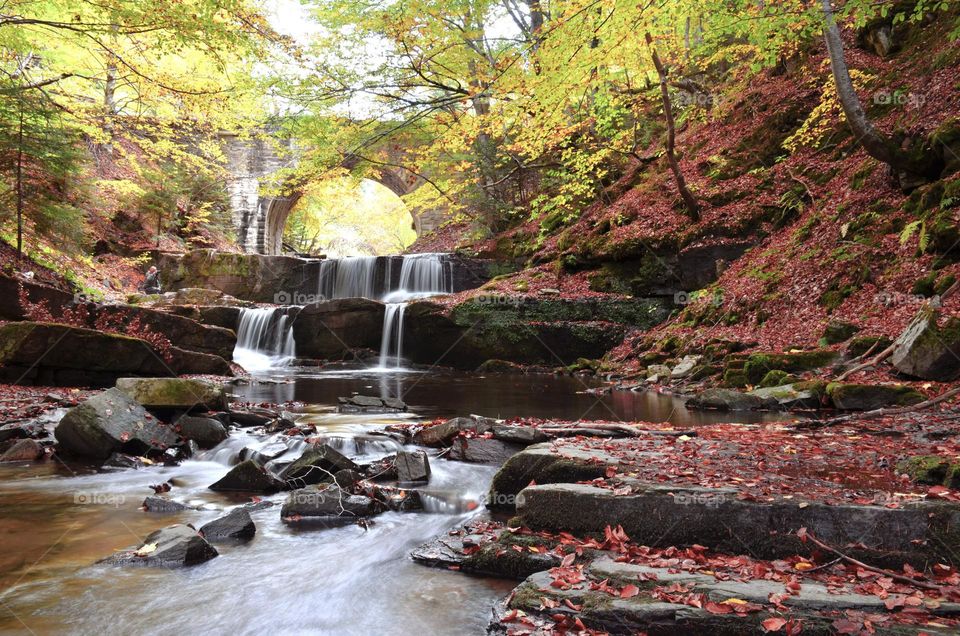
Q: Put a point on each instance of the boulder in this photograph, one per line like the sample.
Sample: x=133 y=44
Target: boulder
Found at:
x=331 y=330
x=26 y=450
x=685 y=367
x=22 y=430
x=442 y=434
x=413 y=467
x=185 y=362
x=540 y=331
x=37 y=293
x=867 y=344
x=523 y=435
x=347 y=478
x=182 y=332
x=933 y=470
x=725 y=400
x=539 y=463
x=163 y=505
x=205 y=431
x=759 y=364
x=173 y=393
x=121 y=460
x=247 y=418
x=251 y=277
x=109 y=422
x=370 y=404
x=237 y=525
x=867 y=397
x=497 y=367
x=837 y=332
x=659 y=371
x=248 y=476
x=316 y=465
x=482 y=450
x=927 y=350
x=171 y=547
x=799 y=395
x=327 y=503
x=60 y=355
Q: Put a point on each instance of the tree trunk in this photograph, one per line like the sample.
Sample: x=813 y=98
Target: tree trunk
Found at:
x=109 y=95
x=20 y=188
x=693 y=208
x=877 y=145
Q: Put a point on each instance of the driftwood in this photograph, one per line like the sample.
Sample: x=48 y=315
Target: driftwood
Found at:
x=880 y=357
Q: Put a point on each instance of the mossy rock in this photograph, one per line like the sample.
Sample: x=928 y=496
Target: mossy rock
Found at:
x=777 y=378
x=859 y=346
x=735 y=378
x=932 y=470
x=759 y=364
x=924 y=285
x=494 y=367
x=837 y=332
x=703 y=371
x=866 y=397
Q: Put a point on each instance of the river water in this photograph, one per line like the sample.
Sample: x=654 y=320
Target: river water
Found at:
x=56 y=521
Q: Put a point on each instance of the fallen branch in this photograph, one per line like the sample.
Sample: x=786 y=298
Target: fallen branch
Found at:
x=803 y=535
x=898 y=410
x=880 y=357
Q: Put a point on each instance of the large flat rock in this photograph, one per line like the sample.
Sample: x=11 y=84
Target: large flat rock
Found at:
x=60 y=355
x=713 y=517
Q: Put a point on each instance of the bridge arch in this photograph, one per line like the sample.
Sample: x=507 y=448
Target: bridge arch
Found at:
x=259 y=219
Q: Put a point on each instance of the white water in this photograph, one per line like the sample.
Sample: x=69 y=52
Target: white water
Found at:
x=421 y=276
x=345 y=580
x=264 y=339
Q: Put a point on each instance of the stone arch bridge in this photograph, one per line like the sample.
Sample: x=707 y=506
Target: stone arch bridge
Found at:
x=259 y=219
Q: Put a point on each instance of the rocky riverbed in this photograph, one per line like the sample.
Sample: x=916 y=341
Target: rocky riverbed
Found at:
x=608 y=526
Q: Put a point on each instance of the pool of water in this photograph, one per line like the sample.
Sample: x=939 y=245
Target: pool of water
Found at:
x=444 y=393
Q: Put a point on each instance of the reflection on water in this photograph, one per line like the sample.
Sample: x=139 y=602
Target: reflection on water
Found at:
x=436 y=393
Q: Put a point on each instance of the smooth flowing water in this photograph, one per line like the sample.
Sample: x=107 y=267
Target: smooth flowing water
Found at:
x=57 y=521
x=264 y=339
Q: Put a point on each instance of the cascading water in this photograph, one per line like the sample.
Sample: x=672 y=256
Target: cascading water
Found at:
x=421 y=276
x=353 y=277
x=264 y=339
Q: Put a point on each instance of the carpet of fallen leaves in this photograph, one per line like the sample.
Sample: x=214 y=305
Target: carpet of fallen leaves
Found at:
x=24 y=402
x=851 y=463
x=905 y=603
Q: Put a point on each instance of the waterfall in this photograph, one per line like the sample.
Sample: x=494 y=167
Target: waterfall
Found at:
x=353 y=277
x=264 y=339
x=392 y=326
x=420 y=276
x=373 y=277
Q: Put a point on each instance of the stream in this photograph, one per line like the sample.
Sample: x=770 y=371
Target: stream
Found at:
x=57 y=523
